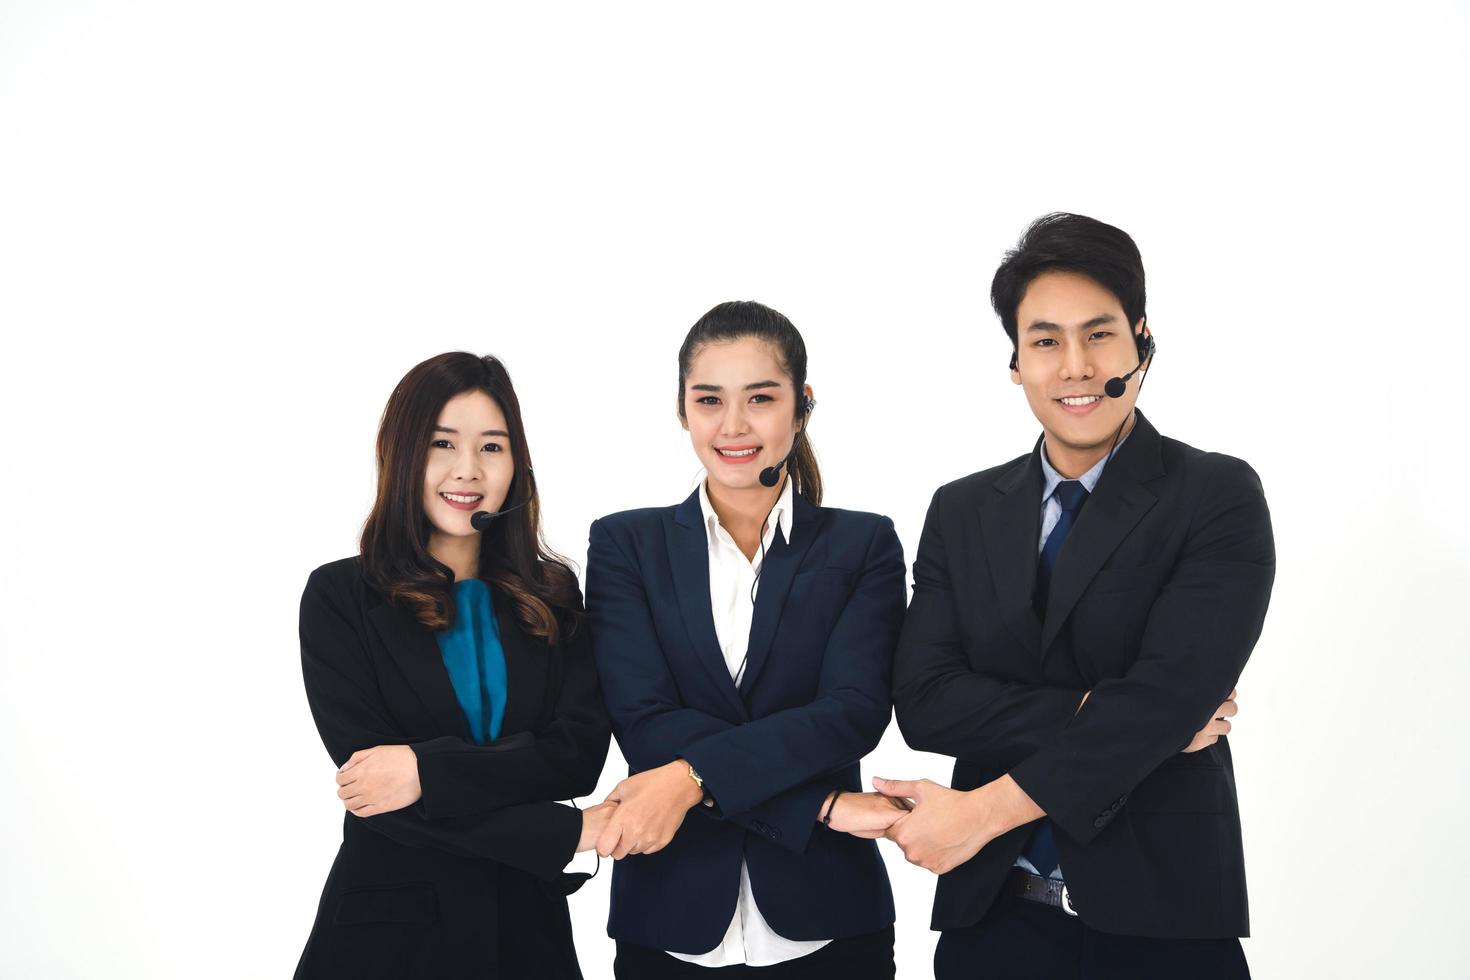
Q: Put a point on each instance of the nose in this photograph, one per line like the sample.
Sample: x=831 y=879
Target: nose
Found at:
x=466 y=466
x=732 y=423
x=1076 y=363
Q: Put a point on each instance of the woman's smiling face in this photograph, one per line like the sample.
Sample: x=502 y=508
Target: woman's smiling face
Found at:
x=470 y=466
x=740 y=410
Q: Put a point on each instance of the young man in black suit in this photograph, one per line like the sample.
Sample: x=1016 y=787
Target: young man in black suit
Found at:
x=1078 y=615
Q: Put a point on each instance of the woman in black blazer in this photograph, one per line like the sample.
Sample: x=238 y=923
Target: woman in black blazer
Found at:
x=451 y=680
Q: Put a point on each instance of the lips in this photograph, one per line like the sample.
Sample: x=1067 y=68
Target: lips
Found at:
x=462 y=501
x=1079 y=404
x=737 y=455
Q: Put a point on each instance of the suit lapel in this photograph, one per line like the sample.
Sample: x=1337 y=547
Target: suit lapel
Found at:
x=778 y=568
x=414 y=650
x=689 y=560
x=1009 y=529
x=526 y=663
x=1115 y=507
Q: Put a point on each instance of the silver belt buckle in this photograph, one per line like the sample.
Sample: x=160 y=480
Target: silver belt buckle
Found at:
x=1067 y=902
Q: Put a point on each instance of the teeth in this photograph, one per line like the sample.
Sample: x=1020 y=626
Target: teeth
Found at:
x=1081 y=400
x=742 y=452
x=461 y=498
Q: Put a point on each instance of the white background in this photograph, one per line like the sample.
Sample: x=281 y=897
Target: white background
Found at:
x=226 y=230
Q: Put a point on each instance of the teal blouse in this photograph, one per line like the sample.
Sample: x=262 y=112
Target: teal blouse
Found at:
x=475 y=659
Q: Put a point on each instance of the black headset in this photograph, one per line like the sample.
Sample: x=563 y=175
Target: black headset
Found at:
x=771 y=475
x=1146 y=346
x=481 y=520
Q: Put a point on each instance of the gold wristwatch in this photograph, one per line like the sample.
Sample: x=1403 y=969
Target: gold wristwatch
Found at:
x=704 y=796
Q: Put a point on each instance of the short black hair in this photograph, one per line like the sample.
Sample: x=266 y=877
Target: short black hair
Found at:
x=1065 y=242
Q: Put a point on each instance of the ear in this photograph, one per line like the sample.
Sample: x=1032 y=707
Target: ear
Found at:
x=1142 y=330
x=678 y=414
x=1015 y=369
x=811 y=399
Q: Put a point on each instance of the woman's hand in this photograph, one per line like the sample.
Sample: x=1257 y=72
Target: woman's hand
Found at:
x=651 y=808
x=1218 y=726
x=867 y=815
x=594 y=822
x=381 y=779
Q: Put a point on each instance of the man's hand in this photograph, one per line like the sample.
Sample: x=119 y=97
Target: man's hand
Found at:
x=381 y=779
x=594 y=822
x=867 y=815
x=1219 y=725
x=651 y=808
x=947 y=826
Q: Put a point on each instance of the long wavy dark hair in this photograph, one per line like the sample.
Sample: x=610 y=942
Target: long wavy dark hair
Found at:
x=513 y=556
x=747 y=318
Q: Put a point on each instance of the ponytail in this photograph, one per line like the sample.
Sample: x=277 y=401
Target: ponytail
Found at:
x=805 y=477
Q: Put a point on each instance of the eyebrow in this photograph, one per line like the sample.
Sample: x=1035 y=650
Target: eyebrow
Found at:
x=1046 y=326
x=487 y=432
x=750 y=387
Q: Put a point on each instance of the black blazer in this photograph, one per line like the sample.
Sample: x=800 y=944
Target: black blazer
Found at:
x=814 y=699
x=1158 y=597
x=467 y=881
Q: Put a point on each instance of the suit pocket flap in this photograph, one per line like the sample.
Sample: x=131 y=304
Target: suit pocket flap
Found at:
x=391 y=903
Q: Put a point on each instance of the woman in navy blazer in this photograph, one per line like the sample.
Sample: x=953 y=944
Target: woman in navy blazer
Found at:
x=453 y=685
x=744 y=642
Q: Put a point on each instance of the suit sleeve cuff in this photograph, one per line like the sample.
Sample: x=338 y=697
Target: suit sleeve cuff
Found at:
x=790 y=818
x=1034 y=776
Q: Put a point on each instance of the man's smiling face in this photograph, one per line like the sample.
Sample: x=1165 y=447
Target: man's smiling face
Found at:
x=1072 y=336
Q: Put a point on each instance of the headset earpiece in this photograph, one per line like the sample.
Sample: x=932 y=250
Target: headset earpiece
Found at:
x=1013 y=360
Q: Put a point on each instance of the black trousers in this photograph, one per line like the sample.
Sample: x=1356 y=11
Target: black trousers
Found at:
x=1021 y=940
x=866 y=957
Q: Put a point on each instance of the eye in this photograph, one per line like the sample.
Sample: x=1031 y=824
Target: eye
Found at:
x=1097 y=334
x=761 y=399
x=707 y=400
x=493 y=447
x=1045 y=342
x=440 y=444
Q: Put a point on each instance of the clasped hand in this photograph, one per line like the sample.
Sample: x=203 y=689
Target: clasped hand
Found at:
x=651 y=807
x=866 y=815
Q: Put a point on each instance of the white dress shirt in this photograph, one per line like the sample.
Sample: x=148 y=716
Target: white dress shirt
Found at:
x=750 y=939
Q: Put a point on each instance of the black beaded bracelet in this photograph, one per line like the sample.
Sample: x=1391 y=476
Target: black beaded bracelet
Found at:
x=827 y=817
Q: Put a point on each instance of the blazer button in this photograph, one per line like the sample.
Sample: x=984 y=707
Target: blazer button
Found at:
x=775 y=833
x=1100 y=823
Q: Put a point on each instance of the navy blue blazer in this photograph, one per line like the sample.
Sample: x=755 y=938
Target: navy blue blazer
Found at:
x=814 y=699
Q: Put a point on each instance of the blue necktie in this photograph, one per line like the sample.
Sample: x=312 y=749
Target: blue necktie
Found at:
x=1041 y=849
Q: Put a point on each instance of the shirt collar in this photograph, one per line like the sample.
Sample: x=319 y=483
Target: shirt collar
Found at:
x=780 y=517
x=1050 y=477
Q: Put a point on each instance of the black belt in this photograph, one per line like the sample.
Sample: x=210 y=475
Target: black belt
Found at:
x=1034 y=888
